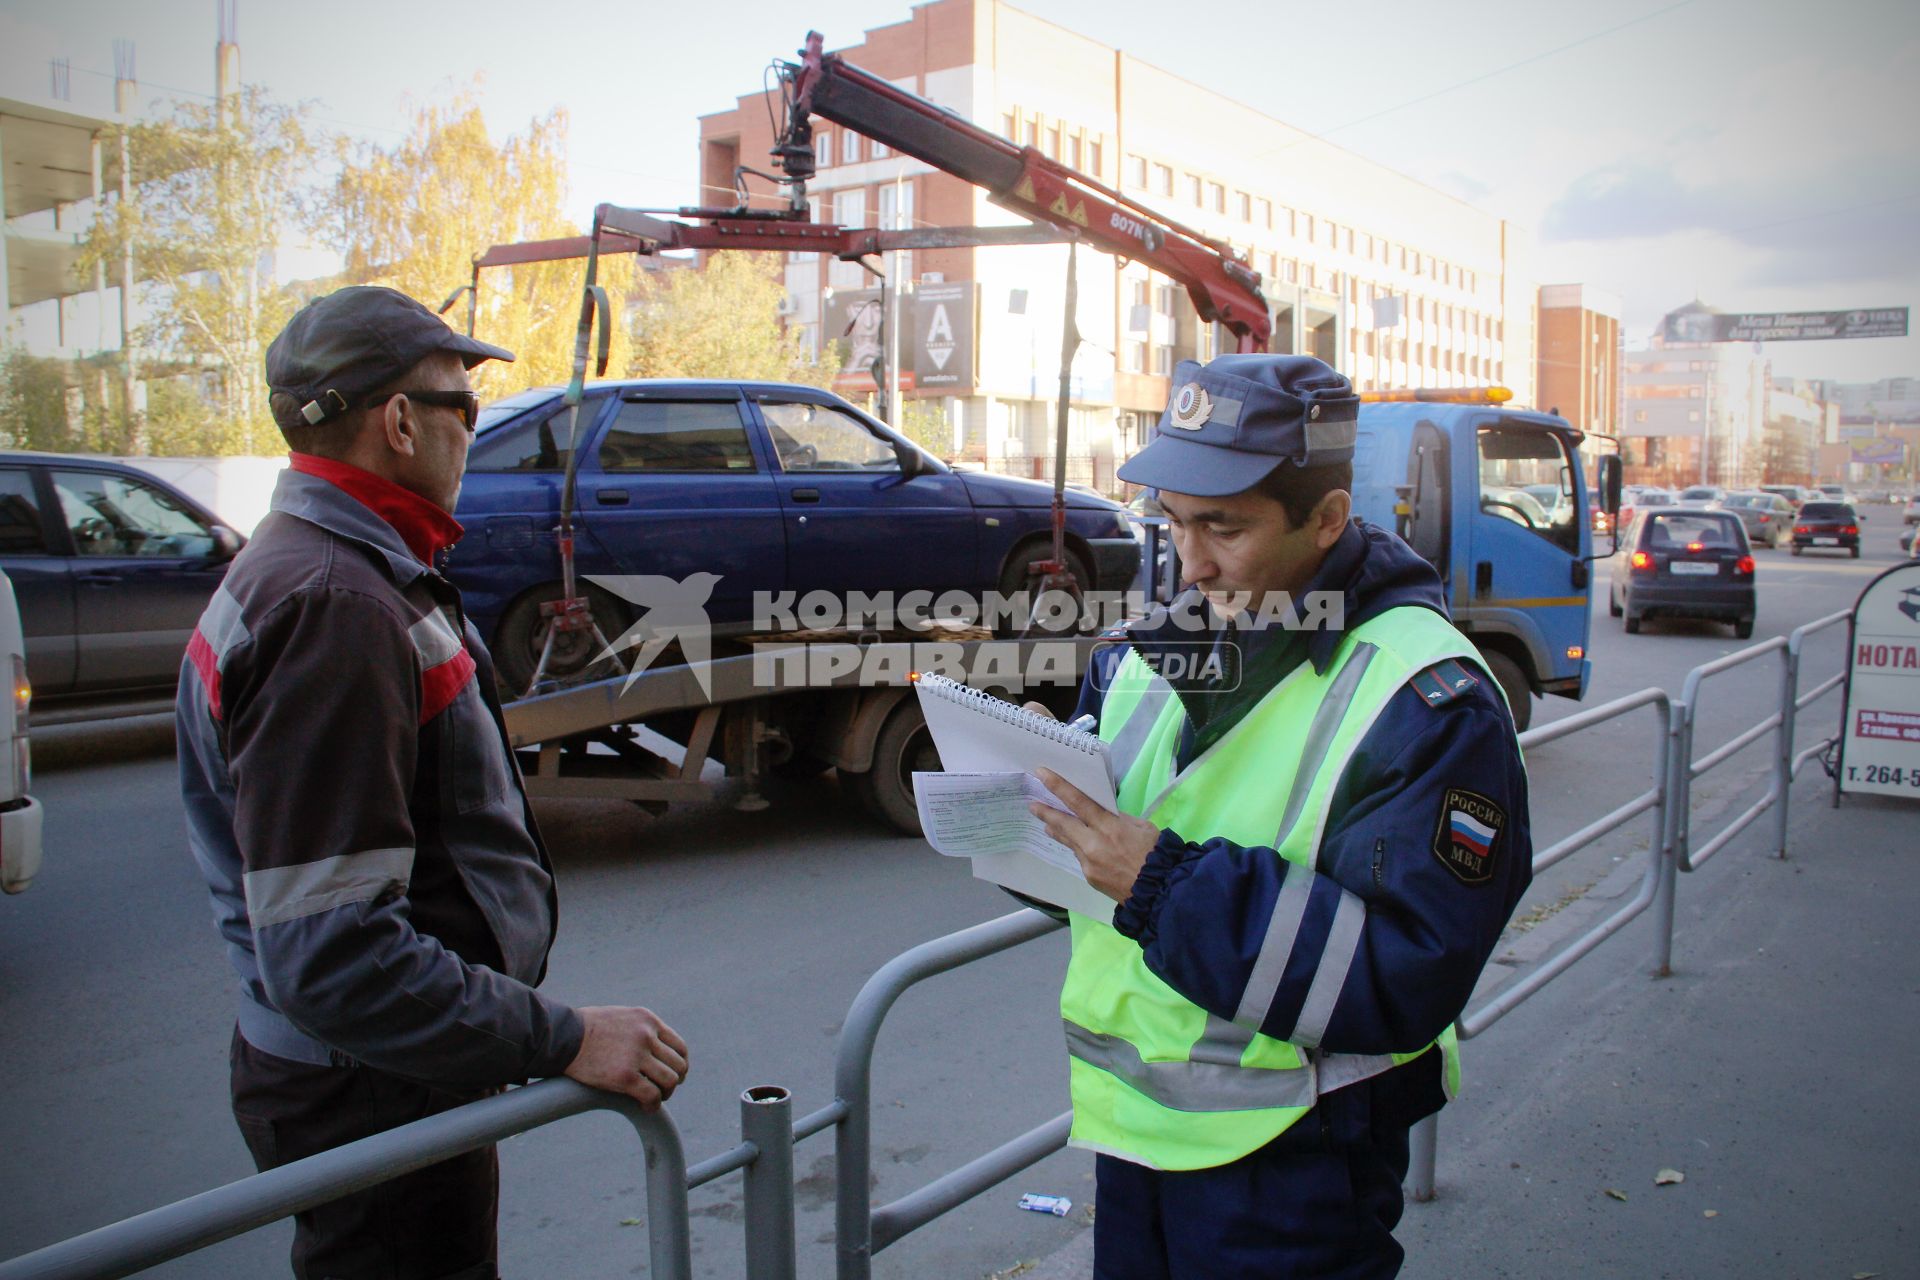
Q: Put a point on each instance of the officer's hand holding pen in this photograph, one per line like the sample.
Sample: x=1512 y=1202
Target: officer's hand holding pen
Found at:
x=1111 y=847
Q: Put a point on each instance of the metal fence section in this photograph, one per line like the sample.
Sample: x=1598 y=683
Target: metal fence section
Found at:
x=212 y=1216
x=1780 y=723
x=1671 y=800
x=861 y=1230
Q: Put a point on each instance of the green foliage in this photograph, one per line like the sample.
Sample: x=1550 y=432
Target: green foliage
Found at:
x=925 y=423
x=221 y=187
x=721 y=320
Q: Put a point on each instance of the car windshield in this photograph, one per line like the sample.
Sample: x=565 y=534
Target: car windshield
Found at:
x=1697 y=494
x=1677 y=532
x=1826 y=511
x=1654 y=498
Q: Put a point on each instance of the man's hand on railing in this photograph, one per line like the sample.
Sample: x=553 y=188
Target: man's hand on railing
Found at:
x=630 y=1051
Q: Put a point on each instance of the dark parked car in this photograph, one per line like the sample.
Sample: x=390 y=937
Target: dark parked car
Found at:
x=769 y=486
x=1682 y=563
x=1767 y=516
x=112 y=568
x=1827 y=524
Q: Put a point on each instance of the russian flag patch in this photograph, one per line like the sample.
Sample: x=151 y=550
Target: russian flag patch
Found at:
x=1467 y=838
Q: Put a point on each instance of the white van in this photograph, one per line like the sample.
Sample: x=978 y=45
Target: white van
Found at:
x=19 y=812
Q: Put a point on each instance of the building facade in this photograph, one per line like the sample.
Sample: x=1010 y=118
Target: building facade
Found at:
x=1693 y=412
x=1393 y=282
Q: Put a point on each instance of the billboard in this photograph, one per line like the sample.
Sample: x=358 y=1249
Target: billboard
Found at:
x=853 y=319
x=1879 y=452
x=1783 y=326
x=943 y=339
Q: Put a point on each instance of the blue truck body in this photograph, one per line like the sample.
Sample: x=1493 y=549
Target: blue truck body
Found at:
x=1447 y=478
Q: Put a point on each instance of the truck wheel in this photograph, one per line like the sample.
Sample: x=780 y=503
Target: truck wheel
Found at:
x=1743 y=629
x=523 y=633
x=1513 y=682
x=903 y=748
x=1633 y=625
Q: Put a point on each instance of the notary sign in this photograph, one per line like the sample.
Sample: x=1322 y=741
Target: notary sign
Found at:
x=1880 y=741
x=1785 y=326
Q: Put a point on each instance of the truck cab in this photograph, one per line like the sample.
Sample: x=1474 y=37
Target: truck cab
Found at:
x=1451 y=479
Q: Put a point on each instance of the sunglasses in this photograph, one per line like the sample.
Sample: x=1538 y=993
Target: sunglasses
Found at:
x=467 y=402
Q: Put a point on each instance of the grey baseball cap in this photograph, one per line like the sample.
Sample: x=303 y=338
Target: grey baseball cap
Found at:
x=1235 y=419
x=345 y=345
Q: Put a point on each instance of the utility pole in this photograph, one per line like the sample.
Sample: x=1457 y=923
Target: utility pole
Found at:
x=894 y=416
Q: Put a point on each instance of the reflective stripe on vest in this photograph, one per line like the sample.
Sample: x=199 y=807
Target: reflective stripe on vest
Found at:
x=1155 y=1078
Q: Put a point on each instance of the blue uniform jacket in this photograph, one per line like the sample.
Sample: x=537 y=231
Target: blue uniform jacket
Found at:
x=1200 y=907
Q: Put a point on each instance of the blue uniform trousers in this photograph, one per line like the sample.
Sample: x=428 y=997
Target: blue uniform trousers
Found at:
x=1317 y=1203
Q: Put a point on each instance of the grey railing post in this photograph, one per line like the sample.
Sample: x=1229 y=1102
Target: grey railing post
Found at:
x=1423 y=1145
x=1783 y=759
x=1679 y=797
x=766 y=1122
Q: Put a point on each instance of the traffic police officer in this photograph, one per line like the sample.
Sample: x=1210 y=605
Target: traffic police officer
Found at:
x=1318 y=843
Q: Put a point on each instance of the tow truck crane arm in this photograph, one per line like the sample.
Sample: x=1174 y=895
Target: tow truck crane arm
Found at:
x=1022 y=179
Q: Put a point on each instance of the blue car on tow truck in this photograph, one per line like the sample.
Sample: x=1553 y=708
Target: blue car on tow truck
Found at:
x=771 y=487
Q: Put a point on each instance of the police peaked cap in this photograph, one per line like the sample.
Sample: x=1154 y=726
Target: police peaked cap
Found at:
x=1232 y=421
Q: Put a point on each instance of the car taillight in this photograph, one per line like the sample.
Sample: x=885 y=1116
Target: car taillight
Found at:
x=1850 y=529
x=22 y=694
x=1743 y=567
x=1641 y=560
x=1803 y=528
x=1765 y=519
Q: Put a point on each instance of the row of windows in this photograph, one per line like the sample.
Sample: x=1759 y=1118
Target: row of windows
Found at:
x=1072 y=145
x=1156 y=179
x=851 y=147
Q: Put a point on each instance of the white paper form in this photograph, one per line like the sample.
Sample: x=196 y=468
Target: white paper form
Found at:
x=984 y=817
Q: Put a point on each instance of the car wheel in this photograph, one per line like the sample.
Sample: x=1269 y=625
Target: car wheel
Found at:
x=1633 y=625
x=1013 y=577
x=1513 y=682
x=1743 y=629
x=1797 y=548
x=904 y=747
x=522 y=635
x=1854 y=551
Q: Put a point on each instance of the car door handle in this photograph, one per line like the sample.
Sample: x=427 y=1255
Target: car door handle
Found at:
x=98 y=579
x=613 y=497
x=805 y=495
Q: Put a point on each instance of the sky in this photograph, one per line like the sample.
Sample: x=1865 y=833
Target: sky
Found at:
x=1756 y=154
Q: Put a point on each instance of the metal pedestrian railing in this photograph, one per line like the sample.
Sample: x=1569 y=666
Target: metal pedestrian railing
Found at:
x=1671 y=801
x=212 y=1216
x=769 y=1134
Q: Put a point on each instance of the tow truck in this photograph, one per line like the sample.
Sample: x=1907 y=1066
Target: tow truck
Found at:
x=1419 y=469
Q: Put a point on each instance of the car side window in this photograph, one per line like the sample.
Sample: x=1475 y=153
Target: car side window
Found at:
x=537 y=442
x=1513 y=458
x=677 y=435
x=21 y=533
x=819 y=437
x=115 y=515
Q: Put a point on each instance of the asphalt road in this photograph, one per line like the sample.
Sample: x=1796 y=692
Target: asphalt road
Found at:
x=751 y=933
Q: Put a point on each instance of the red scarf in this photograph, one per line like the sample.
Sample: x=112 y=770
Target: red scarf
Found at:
x=422 y=525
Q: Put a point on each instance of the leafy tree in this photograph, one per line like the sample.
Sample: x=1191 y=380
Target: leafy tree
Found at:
x=414 y=216
x=722 y=321
x=220 y=187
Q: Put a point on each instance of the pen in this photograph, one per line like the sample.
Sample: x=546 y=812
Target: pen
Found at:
x=1085 y=724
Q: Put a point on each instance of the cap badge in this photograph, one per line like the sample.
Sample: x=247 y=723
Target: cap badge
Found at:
x=1192 y=406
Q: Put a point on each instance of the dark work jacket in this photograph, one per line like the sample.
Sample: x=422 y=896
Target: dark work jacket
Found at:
x=355 y=808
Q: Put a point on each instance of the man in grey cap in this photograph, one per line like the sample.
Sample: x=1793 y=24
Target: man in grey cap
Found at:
x=352 y=800
x=1316 y=847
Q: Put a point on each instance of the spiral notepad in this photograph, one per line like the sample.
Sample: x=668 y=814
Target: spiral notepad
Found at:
x=977 y=806
x=979 y=733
